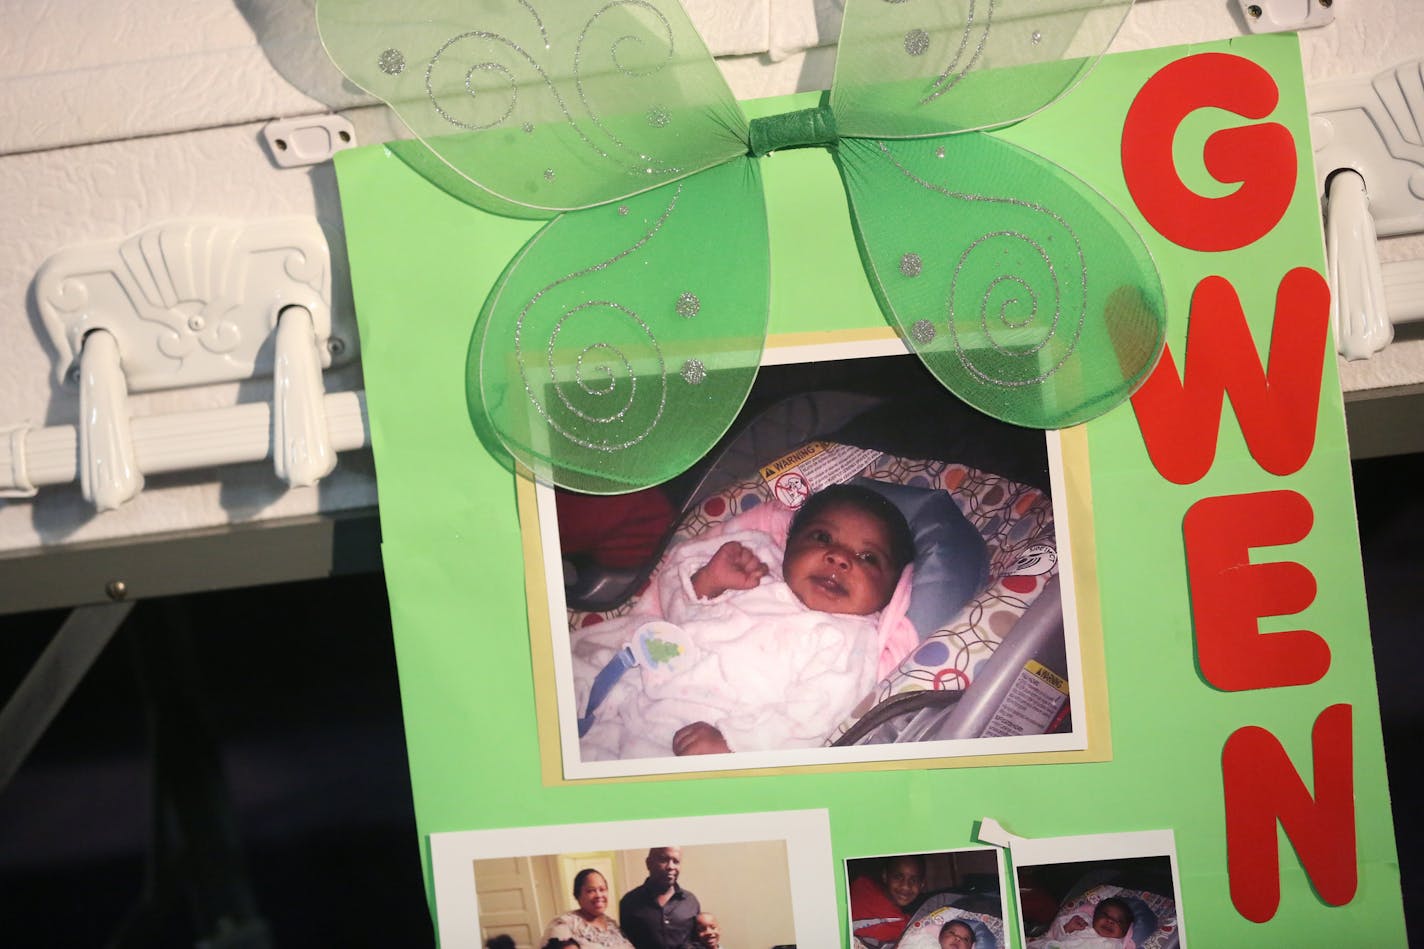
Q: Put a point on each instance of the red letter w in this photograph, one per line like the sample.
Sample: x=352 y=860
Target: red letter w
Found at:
x=1277 y=409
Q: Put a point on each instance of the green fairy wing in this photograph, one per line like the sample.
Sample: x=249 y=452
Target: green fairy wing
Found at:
x=1023 y=290
x=532 y=108
x=620 y=343
x=1038 y=305
x=906 y=68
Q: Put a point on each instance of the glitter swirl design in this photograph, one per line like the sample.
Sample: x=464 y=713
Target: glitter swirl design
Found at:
x=597 y=407
x=600 y=375
x=490 y=87
x=1018 y=314
x=476 y=81
x=538 y=21
x=632 y=56
x=952 y=73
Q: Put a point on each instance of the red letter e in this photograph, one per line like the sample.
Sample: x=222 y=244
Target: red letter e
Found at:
x=1229 y=592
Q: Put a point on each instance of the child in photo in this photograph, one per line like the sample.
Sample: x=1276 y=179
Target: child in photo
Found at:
x=1108 y=929
x=706 y=934
x=761 y=636
x=881 y=904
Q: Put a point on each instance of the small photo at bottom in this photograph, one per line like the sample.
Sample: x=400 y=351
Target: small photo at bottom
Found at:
x=1104 y=903
x=932 y=900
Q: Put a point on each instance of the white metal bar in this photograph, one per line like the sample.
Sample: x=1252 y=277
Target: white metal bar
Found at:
x=1404 y=290
x=177 y=442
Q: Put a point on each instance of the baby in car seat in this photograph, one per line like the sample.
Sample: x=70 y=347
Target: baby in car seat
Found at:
x=760 y=648
x=1112 y=921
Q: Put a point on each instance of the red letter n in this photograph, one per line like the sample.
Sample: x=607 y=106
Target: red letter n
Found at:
x=1277 y=409
x=1229 y=592
x=1262 y=786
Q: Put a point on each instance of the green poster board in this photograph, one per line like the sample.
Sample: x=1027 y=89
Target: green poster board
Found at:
x=1139 y=775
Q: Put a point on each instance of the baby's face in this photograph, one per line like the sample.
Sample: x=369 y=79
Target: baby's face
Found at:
x=956 y=936
x=1110 y=922
x=839 y=562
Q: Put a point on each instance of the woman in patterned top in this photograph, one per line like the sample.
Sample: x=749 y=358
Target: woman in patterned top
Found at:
x=590 y=925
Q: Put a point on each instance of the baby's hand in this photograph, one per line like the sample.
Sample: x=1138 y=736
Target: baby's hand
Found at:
x=699 y=738
x=732 y=567
x=1075 y=924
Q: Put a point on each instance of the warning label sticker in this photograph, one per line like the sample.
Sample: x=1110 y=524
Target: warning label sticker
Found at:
x=796 y=476
x=1033 y=701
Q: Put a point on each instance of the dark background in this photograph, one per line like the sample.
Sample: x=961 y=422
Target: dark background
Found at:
x=278 y=710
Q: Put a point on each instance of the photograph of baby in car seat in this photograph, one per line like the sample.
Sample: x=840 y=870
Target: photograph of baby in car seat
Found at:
x=723 y=613
x=1100 y=904
x=771 y=633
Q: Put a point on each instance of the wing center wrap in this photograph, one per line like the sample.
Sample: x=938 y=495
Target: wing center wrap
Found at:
x=805 y=128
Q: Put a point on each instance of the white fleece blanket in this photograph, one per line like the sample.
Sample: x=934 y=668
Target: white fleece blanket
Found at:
x=757 y=664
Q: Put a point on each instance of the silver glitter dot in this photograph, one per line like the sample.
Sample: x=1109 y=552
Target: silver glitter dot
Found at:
x=923 y=332
x=939 y=152
x=693 y=372
x=391 y=62
x=623 y=210
x=1037 y=37
x=911 y=265
x=658 y=117
x=528 y=128
x=549 y=174
x=917 y=42
x=688 y=305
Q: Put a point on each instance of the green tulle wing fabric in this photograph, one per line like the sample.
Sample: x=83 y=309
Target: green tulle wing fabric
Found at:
x=910 y=68
x=621 y=342
x=1023 y=290
x=543 y=106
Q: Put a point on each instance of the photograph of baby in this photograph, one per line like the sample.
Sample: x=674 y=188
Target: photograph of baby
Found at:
x=947 y=900
x=863 y=569
x=639 y=885
x=1100 y=904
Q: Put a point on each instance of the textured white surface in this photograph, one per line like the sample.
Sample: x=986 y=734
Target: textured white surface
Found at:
x=125 y=114
x=107 y=191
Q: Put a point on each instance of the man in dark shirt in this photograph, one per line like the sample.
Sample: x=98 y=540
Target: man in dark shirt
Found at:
x=659 y=914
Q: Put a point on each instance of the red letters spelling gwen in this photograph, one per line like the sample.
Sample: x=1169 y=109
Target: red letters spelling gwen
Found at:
x=1277 y=408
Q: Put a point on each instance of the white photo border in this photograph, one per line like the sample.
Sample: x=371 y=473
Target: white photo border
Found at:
x=1088 y=848
x=1001 y=866
x=576 y=769
x=806 y=834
